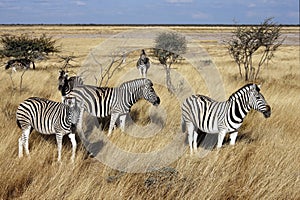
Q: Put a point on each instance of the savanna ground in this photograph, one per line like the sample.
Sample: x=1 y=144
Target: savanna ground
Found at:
x=264 y=163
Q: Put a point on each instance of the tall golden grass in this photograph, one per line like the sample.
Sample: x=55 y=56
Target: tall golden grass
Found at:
x=264 y=163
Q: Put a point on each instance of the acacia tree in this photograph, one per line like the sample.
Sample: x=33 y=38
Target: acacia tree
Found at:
x=168 y=48
x=26 y=47
x=262 y=40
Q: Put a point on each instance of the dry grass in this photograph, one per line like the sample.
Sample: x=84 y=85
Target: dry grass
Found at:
x=264 y=163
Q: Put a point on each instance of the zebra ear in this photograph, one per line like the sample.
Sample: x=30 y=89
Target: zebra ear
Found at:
x=148 y=81
x=253 y=86
x=257 y=87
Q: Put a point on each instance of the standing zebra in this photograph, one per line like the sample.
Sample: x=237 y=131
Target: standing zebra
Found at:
x=143 y=64
x=210 y=116
x=48 y=117
x=102 y=102
x=66 y=84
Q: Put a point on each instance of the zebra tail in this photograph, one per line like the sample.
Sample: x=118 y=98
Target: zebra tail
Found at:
x=19 y=124
x=183 y=125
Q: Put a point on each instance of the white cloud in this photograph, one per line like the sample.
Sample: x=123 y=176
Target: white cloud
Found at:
x=269 y=1
x=251 y=5
x=294 y=14
x=200 y=15
x=179 y=1
x=80 y=3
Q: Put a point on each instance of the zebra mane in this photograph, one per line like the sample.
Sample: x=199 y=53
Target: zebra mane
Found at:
x=137 y=82
x=243 y=90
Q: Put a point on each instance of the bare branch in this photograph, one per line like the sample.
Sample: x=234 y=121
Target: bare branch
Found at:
x=247 y=40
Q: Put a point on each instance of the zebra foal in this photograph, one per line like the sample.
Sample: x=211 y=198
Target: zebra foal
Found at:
x=210 y=116
x=48 y=117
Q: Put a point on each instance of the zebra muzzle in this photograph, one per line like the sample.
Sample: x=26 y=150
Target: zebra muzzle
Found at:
x=157 y=102
x=267 y=112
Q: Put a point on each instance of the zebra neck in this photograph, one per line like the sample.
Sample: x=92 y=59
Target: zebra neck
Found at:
x=73 y=114
x=131 y=97
x=239 y=107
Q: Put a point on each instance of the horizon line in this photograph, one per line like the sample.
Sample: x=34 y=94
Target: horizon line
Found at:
x=95 y=24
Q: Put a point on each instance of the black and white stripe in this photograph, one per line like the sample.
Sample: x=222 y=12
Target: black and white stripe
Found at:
x=116 y=102
x=66 y=84
x=48 y=117
x=210 y=116
x=143 y=64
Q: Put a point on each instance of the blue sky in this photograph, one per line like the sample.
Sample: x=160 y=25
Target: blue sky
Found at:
x=148 y=11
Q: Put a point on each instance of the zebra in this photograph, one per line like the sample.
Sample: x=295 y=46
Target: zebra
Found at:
x=22 y=63
x=48 y=117
x=207 y=115
x=66 y=84
x=143 y=64
x=115 y=102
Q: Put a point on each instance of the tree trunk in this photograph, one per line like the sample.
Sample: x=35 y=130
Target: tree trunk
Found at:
x=246 y=71
x=240 y=70
x=169 y=84
x=251 y=68
x=257 y=72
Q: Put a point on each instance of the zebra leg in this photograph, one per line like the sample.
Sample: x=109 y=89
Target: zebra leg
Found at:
x=59 y=145
x=141 y=71
x=195 y=141
x=122 y=122
x=190 y=128
x=144 y=72
x=23 y=141
x=113 y=119
x=221 y=138
x=74 y=145
x=20 y=147
x=233 y=137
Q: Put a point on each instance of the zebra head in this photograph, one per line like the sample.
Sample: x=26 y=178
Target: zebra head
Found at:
x=149 y=93
x=62 y=79
x=258 y=102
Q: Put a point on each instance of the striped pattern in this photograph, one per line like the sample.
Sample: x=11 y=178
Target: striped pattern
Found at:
x=47 y=117
x=102 y=102
x=210 y=116
x=66 y=84
x=143 y=64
